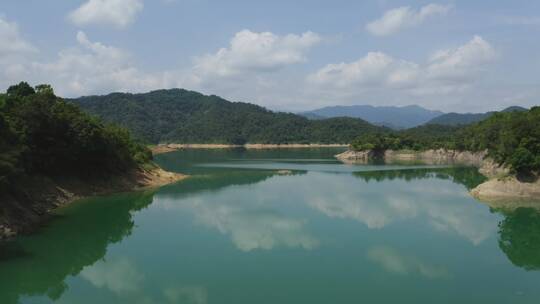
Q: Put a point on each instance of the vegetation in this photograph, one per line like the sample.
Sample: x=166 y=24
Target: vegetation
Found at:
x=460 y=119
x=42 y=134
x=419 y=138
x=468 y=177
x=511 y=138
x=519 y=237
x=182 y=116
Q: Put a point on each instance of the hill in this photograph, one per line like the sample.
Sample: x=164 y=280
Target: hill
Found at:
x=52 y=153
x=512 y=138
x=182 y=116
x=395 y=117
x=454 y=119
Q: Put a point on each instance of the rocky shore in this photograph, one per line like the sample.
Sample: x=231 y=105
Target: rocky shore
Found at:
x=24 y=208
x=164 y=148
x=501 y=186
x=429 y=157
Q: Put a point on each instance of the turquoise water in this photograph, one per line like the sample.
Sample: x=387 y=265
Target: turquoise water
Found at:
x=239 y=232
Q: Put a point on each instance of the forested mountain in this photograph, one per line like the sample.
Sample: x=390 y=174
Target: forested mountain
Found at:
x=454 y=119
x=395 y=117
x=182 y=116
x=511 y=138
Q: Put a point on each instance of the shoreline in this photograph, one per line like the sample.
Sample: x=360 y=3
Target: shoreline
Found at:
x=500 y=186
x=24 y=209
x=165 y=148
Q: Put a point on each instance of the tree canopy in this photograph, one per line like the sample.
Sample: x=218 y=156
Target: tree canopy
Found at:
x=182 y=116
x=511 y=138
x=40 y=133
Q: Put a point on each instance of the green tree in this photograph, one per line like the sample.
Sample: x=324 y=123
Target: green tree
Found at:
x=44 y=89
x=22 y=89
x=519 y=237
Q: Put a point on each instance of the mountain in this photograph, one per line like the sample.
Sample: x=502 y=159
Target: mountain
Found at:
x=397 y=117
x=183 y=116
x=454 y=119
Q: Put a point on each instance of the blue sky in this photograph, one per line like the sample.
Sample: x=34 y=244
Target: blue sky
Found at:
x=463 y=56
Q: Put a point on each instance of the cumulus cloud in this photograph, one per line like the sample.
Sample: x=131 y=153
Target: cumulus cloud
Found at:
x=14 y=53
x=397 y=19
x=256 y=52
x=11 y=41
x=251 y=221
x=394 y=262
x=118 y=13
x=94 y=67
x=249 y=65
x=371 y=70
x=118 y=275
x=446 y=71
x=370 y=205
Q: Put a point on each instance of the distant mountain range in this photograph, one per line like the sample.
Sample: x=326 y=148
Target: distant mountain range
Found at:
x=389 y=116
x=182 y=116
x=401 y=117
x=455 y=119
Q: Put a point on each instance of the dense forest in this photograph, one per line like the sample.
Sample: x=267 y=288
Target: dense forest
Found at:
x=41 y=134
x=460 y=119
x=182 y=116
x=511 y=138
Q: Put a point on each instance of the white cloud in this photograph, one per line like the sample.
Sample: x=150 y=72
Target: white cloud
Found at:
x=404 y=17
x=93 y=67
x=443 y=205
x=118 y=13
x=256 y=52
x=11 y=41
x=118 y=275
x=250 y=220
x=191 y=294
x=371 y=70
x=253 y=68
x=394 y=262
x=15 y=51
x=445 y=72
x=462 y=60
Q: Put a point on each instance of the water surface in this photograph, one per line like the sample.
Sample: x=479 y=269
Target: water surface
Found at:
x=240 y=232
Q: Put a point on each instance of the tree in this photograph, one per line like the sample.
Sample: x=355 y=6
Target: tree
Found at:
x=42 y=134
x=519 y=237
x=22 y=89
x=44 y=89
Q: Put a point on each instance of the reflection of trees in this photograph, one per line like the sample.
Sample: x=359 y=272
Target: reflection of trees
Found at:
x=219 y=180
x=38 y=265
x=250 y=223
x=65 y=248
x=519 y=237
x=469 y=177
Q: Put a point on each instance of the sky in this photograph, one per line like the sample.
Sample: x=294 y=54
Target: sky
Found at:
x=460 y=56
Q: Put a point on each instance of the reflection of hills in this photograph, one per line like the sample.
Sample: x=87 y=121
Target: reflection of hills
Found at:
x=189 y=161
x=219 y=180
x=519 y=237
x=39 y=264
x=519 y=231
x=251 y=221
x=469 y=177
x=65 y=248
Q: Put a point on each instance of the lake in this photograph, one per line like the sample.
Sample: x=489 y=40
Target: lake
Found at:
x=282 y=226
